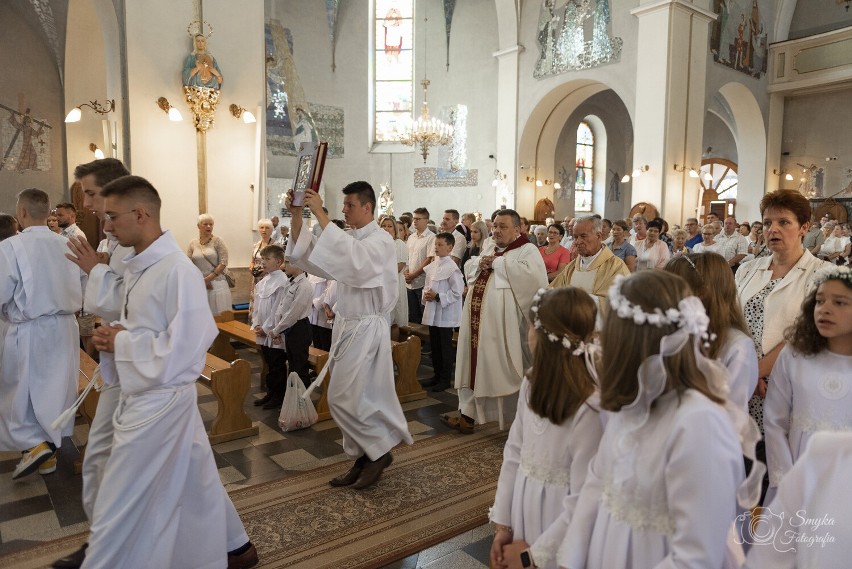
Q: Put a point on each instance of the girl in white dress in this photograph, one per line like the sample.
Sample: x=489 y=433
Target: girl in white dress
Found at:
x=711 y=280
x=663 y=488
x=812 y=379
x=555 y=433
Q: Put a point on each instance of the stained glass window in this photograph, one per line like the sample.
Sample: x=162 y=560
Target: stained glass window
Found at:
x=584 y=180
x=393 y=67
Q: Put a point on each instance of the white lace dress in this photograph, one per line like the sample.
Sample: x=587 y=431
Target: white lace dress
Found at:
x=809 y=394
x=544 y=467
x=661 y=491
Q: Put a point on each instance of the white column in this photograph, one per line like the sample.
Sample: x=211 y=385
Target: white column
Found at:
x=670 y=97
x=507 y=121
x=774 y=178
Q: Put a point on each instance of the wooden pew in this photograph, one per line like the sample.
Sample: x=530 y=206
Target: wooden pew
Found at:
x=90 y=403
x=406 y=356
x=230 y=384
x=421 y=331
x=234 y=330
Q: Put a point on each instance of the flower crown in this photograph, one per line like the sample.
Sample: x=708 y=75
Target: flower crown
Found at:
x=689 y=315
x=580 y=347
x=832 y=273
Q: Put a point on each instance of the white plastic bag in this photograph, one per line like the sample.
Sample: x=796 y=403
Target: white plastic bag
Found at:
x=297 y=412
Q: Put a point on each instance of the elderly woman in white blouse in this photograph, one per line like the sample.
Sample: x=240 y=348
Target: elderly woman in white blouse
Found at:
x=210 y=255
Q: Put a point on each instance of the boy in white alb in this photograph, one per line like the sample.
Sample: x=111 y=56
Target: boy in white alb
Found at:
x=442 y=300
x=292 y=329
x=267 y=296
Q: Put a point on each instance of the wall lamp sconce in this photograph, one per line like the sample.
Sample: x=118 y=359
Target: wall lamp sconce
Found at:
x=540 y=183
x=787 y=175
x=238 y=112
x=77 y=112
x=99 y=154
x=639 y=171
x=174 y=114
x=694 y=173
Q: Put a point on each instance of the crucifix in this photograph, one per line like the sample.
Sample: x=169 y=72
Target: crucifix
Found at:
x=202 y=80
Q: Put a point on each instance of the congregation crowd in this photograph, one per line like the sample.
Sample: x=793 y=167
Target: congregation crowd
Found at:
x=650 y=376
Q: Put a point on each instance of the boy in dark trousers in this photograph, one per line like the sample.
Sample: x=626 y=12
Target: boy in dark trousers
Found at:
x=292 y=328
x=267 y=296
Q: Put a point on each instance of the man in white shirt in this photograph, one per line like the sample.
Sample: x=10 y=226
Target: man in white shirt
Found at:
x=421 y=251
x=733 y=246
x=362 y=261
x=448 y=225
x=170 y=512
x=66 y=215
x=40 y=290
x=568 y=239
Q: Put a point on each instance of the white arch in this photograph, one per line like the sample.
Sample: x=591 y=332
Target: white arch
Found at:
x=783 y=19
x=508 y=22
x=750 y=135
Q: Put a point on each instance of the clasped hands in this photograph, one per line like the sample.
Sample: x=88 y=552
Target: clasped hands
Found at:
x=486 y=262
x=429 y=295
x=103 y=337
x=258 y=331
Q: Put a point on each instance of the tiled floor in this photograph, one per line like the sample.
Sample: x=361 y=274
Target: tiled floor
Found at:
x=41 y=508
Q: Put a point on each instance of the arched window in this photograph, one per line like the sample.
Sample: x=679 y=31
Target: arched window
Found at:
x=584 y=178
x=393 y=68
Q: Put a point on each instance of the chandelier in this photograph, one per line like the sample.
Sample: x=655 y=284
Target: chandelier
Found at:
x=427 y=131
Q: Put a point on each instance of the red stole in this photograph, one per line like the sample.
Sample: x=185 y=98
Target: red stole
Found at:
x=476 y=305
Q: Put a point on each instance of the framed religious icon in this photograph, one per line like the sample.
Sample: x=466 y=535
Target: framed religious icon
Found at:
x=308 y=170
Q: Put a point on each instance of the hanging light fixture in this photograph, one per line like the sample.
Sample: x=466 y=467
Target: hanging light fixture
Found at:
x=427 y=131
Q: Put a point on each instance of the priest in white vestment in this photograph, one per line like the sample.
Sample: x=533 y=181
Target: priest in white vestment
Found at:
x=492 y=344
x=104 y=296
x=170 y=511
x=361 y=393
x=40 y=290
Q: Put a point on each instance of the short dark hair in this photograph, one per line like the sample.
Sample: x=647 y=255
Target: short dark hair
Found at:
x=516 y=219
x=447 y=237
x=654 y=224
x=421 y=211
x=8 y=226
x=453 y=212
x=339 y=223
x=66 y=205
x=493 y=215
x=790 y=200
x=607 y=222
x=364 y=191
x=36 y=202
x=622 y=224
x=135 y=188
x=524 y=221
x=274 y=251
x=405 y=218
x=105 y=170
x=558 y=227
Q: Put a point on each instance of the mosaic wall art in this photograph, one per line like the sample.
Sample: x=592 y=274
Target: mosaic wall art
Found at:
x=276 y=191
x=454 y=155
x=562 y=39
x=24 y=141
x=738 y=36
x=445 y=178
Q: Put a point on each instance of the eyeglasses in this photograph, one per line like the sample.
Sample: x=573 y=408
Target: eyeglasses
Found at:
x=111 y=216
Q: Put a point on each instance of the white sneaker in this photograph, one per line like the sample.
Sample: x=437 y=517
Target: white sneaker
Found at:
x=31 y=460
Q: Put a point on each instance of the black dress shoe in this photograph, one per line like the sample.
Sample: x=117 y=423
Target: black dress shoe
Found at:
x=244 y=560
x=274 y=403
x=263 y=400
x=72 y=561
x=350 y=476
x=430 y=382
x=373 y=471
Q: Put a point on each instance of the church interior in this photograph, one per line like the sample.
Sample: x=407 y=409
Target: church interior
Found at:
x=556 y=108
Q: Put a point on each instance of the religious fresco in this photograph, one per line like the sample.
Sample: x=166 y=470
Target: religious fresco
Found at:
x=563 y=42
x=24 y=141
x=738 y=36
x=290 y=118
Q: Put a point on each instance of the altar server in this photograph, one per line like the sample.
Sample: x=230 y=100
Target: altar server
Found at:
x=104 y=296
x=40 y=290
x=160 y=501
x=361 y=392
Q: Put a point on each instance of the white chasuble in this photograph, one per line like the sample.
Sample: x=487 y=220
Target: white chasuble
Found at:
x=490 y=364
x=361 y=393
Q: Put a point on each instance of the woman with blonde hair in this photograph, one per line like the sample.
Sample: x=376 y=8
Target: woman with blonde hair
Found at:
x=478 y=234
x=399 y=316
x=210 y=255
